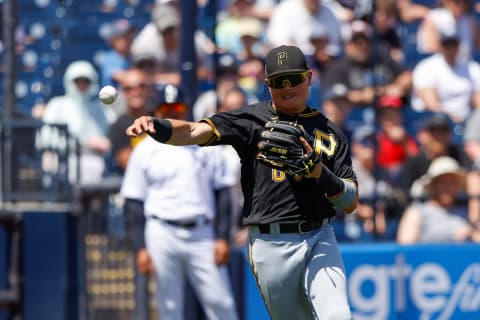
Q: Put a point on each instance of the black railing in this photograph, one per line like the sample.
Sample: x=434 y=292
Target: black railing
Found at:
x=35 y=161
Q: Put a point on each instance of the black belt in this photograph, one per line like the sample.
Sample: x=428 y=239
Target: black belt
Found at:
x=294 y=227
x=188 y=224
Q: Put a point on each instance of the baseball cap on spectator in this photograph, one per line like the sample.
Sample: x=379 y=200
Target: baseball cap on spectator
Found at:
x=318 y=31
x=227 y=64
x=439 y=121
x=284 y=59
x=249 y=26
x=170 y=97
x=144 y=61
x=336 y=91
x=449 y=36
x=438 y=167
x=388 y=101
x=119 y=28
x=364 y=134
x=358 y=28
x=165 y=16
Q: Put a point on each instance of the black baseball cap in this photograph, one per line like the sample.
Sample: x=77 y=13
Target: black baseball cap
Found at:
x=436 y=121
x=284 y=59
x=167 y=95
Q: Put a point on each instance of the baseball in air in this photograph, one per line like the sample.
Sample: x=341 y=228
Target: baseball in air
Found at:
x=107 y=94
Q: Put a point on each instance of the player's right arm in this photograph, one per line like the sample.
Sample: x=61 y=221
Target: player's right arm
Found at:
x=172 y=131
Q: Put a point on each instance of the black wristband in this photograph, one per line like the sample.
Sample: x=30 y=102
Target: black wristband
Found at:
x=163 y=130
x=329 y=183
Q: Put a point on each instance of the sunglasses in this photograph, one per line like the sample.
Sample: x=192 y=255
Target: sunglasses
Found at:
x=173 y=107
x=141 y=86
x=287 y=79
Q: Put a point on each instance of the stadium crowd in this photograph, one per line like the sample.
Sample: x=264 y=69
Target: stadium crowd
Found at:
x=399 y=77
x=398 y=113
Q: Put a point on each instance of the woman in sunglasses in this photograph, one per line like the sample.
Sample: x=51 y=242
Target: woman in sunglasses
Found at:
x=292 y=249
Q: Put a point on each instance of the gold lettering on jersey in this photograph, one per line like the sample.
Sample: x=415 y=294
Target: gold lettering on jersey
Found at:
x=278 y=175
x=278 y=151
x=281 y=57
x=325 y=143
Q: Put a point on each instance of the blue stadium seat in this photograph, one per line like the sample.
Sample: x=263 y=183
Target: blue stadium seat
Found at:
x=358 y=117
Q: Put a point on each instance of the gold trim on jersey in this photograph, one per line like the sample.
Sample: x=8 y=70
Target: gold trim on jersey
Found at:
x=217 y=136
x=313 y=113
x=310 y=114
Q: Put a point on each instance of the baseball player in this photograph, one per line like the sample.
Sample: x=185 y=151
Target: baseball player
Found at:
x=177 y=187
x=296 y=169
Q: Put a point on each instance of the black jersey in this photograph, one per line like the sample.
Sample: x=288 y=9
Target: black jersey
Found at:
x=270 y=194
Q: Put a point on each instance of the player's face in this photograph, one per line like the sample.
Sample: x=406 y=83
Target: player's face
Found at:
x=289 y=91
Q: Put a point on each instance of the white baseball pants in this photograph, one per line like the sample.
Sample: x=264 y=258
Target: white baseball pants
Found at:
x=179 y=253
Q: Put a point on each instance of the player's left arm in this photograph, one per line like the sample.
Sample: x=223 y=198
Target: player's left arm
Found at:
x=341 y=192
x=172 y=131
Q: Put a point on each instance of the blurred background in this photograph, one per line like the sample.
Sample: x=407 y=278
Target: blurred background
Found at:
x=401 y=78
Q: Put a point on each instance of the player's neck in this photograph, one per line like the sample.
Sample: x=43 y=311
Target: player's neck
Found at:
x=290 y=111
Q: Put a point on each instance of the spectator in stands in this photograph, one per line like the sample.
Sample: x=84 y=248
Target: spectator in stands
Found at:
x=372 y=220
x=137 y=87
x=318 y=62
x=87 y=120
x=471 y=140
x=238 y=18
x=119 y=35
x=451 y=16
x=385 y=22
x=251 y=78
x=435 y=140
x=367 y=72
x=292 y=23
x=440 y=218
x=321 y=56
x=251 y=35
x=394 y=144
x=160 y=38
x=336 y=107
x=454 y=87
x=409 y=10
x=227 y=78
x=177 y=188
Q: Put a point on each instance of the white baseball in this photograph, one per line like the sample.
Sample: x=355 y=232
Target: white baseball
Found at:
x=107 y=94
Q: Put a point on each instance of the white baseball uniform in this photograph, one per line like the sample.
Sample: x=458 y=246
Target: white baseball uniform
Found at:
x=177 y=186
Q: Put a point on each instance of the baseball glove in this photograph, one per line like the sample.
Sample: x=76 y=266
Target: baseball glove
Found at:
x=280 y=148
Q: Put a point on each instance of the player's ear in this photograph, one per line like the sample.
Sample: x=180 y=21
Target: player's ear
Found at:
x=309 y=76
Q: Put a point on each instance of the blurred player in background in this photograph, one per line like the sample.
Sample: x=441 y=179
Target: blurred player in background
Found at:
x=184 y=240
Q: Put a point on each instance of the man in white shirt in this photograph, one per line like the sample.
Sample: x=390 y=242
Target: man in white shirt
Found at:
x=443 y=83
x=292 y=22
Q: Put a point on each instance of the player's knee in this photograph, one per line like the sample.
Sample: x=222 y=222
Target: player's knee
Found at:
x=221 y=302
